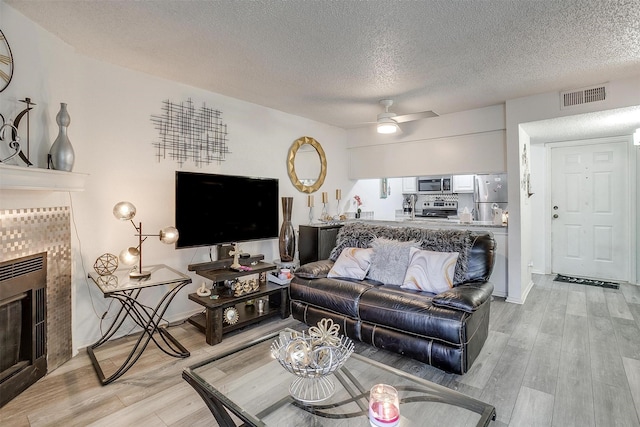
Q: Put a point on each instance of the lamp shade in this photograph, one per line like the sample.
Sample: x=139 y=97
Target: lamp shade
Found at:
x=387 y=126
x=124 y=211
x=169 y=235
x=129 y=256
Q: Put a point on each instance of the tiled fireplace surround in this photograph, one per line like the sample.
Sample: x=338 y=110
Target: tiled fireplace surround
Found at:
x=33 y=230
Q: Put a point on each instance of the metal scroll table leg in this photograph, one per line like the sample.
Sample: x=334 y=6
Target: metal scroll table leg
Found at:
x=148 y=319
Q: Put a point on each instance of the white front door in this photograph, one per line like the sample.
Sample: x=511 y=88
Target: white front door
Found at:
x=589 y=208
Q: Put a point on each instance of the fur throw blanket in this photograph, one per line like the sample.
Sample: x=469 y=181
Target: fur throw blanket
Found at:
x=359 y=235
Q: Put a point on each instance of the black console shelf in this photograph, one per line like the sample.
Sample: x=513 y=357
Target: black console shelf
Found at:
x=224 y=263
x=211 y=322
x=219 y=275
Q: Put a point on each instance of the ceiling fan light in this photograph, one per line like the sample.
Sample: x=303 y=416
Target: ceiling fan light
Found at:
x=387 y=126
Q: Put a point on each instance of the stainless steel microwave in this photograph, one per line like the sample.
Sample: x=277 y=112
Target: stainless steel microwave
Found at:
x=434 y=184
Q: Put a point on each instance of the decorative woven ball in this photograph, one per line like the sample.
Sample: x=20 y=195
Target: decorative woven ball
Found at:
x=106 y=264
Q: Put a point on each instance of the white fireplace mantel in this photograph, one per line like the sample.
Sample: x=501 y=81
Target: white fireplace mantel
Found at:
x=32 y=178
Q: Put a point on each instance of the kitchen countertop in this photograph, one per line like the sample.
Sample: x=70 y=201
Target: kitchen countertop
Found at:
x=423 y=222
x=444 y=221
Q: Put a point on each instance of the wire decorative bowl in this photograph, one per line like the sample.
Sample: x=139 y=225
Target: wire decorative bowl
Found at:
x=312 y=360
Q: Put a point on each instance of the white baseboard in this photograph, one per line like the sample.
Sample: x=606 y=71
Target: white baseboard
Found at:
x=523 y=297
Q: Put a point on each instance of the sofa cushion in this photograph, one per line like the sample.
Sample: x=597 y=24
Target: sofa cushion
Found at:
x=412 y=312
x=314 y=270
x=338 y=295
x=430 y=271
x=390 y=260
x=353 y=263
x=466 y=297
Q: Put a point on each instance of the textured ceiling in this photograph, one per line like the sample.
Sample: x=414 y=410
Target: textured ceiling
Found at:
x=332 y=61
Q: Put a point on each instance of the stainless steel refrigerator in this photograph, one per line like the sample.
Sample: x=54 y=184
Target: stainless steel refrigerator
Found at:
x=490 y=192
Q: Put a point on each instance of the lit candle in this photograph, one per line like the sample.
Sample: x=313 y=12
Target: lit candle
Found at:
x=310 y=201
x=384 y=406
x=325 y=197
x=338 y=194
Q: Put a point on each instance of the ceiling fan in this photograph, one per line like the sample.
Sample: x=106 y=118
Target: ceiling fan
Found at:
x=388 y=122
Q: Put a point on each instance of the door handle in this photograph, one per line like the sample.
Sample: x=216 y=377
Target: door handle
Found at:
x=555 y=216
x=555 y=208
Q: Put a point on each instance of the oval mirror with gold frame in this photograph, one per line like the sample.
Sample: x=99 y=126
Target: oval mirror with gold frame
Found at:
x=303 y=184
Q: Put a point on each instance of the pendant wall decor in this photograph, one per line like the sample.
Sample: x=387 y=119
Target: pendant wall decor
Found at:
x=61 y=155
x=9 y=133
x=6 y=62
x=185 y=133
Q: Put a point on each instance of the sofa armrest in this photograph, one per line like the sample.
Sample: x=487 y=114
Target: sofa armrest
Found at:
x=314 y=270
x=467 y=298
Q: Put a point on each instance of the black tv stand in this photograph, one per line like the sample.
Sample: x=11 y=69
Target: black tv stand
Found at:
x=224 y=263
x=212 y=322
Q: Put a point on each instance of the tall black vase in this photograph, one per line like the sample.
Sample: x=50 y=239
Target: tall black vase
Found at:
x=287 y=237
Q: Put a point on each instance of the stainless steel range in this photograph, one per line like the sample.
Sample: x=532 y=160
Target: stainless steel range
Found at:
x=438 y=209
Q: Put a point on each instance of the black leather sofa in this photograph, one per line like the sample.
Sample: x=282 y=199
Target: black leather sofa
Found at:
x=446 y=330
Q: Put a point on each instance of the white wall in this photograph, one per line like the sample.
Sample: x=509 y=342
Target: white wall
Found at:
x=112 y=135
x=466 y=142
x=459 y=154
x=538 y=207
x=369 y=192
x=621 y=93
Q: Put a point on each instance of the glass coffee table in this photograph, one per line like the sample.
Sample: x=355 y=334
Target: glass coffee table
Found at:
x=248 y=384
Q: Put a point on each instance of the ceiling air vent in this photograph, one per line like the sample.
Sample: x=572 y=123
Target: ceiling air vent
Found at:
x=571 y=98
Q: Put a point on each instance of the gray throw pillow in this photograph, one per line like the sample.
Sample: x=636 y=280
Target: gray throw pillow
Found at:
x=390 y=260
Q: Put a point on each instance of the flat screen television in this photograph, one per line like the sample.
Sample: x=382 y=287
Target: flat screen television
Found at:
x=217 y=209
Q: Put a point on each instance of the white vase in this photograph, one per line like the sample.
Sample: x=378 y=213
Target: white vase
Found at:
x=61 y=154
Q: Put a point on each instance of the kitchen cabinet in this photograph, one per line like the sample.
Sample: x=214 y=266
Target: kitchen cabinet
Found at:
x=462 y=183
x=317 y=241
x=409 y=184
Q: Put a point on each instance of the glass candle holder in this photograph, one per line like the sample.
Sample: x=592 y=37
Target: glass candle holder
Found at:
x=384 y=406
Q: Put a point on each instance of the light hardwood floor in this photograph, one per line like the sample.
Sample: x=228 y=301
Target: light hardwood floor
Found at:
x=570 y=356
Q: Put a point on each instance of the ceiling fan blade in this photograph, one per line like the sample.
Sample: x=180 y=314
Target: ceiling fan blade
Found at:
x=415 y=116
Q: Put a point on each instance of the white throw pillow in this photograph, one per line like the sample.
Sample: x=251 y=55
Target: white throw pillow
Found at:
x=430 y=271
x=353 y=263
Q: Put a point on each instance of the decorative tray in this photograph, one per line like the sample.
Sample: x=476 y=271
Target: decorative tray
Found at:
x=272 y=276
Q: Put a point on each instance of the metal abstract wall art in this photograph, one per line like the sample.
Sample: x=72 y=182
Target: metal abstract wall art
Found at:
x=185 y=133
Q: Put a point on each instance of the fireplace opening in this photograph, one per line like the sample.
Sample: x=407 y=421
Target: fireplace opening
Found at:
x=23 y=324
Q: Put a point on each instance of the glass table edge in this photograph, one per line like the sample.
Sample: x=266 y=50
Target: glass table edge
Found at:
x=485 y=410
x=179 y=279
x=228 y=403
